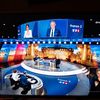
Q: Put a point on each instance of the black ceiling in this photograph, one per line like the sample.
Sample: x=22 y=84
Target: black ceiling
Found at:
x=21 y=11
x=37 y=6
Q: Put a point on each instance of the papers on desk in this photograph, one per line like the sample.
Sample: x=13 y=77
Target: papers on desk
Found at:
x=31 y=80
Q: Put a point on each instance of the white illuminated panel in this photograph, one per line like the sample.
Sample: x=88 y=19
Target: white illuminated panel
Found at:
x=62 y=73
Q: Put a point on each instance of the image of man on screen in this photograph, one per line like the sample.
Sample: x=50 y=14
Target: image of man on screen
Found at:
x=28 y=32
x=53 y=31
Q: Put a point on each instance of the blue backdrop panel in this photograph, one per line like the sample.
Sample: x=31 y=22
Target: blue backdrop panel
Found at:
x=75 y=29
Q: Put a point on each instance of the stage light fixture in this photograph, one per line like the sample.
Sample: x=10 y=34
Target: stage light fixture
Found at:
x=38 y=42
x=11 y=42
x=82 y=42
x=54 y=42
x=43 y=42
x=49 y=42
x=59 y=42
x=28 y=42
x=5 y=42
x=91 y=19
x=16 y=42
x=22 y=42
x=71 y=42
x=4 y=24
x=97 y=42
x=33 y=42
x=89 y=42
x=65 y=42
x=13 y=25
x=76 y=42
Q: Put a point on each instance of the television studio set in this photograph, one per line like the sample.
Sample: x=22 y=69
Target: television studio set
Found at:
x=50 y=57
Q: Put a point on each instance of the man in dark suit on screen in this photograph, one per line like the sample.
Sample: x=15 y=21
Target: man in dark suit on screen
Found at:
x=53 y=31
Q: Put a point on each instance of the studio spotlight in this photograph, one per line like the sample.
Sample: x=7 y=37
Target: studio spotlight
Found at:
x=11 y=42
x=76 y=42
x=16 y=42
x=49 y=42
x=43 y=42
x=71 y=42
x=33 y=42
x=22 y=42
x=65 y=42
x=59 y=42
x=28 y=42
x=5 y=42
x=4 y=24
x=82 y=42
x=54 y=42
x=89 y=42
x=97 y=42
x=38 y=42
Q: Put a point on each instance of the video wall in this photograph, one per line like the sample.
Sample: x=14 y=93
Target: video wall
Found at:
x=50 y=41
x=52 y=28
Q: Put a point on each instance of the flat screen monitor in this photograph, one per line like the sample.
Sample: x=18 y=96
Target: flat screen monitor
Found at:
x=52 y=28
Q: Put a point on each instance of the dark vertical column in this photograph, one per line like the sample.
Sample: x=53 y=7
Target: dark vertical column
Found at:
x=0 y=79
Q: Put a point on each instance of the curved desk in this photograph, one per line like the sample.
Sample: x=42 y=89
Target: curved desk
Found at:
x=56 y=81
